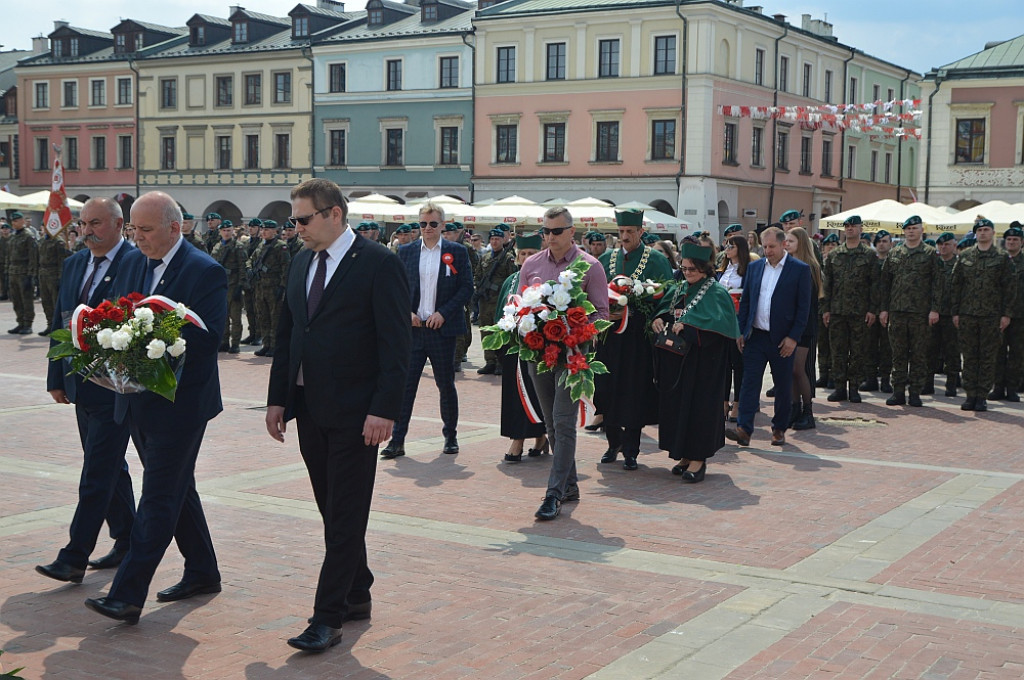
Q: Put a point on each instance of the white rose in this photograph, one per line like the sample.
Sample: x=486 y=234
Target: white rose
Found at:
x=103 y=337
x=650 y=290
x=144 y=314
x=526 y=324
x=566 y=277
x=545 y=289
x=178 y=348
x=543 y=314
x=531 y=296
x=155 y=349
x=509 y=309
x=506 y=323
x=638 y=288
x=181 y=310
x=119 y=340
x=560 y=300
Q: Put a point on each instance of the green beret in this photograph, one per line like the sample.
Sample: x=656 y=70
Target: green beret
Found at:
x=531 y=242
x=17 y=216
x=930 y=241
x=269 y=224
x=731 y=228
x=629 y=218
x=404 y=229
x=966 y=242
x=594 y=236
x=450 y=226
x=692 y=251
x=255 y=222
x=865 y=237
x=187 y=216
x=912 y=220
x=496 y=232
x=213 y=216
x=367 y=226
x=648 y=238
x=880 y=234
x=853 y=220
x=504 y=227
x=226 y=223
x=458 y=225
x=982 y=222
x=945 y=237
x=790 y=215
x=1014 y=230
x=831 y=238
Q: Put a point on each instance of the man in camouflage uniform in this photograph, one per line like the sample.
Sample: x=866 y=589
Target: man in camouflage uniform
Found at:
x=911 y=285
x=5 y=241
x=188 y=232
x=248 y=293
x=269 y=269
x=1010 y=358
x=497 y=265
x=945 y=342
x=212 y=235
x=22 y=267
x=849 y=308
x=828 y=244
x=984 y=293
x=292 y=240
x=231 y=255
x=453 y=232
x=595 y=243
x=879 y=349
x=52 y=253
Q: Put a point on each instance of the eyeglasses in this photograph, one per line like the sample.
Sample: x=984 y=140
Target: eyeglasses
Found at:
x=554 y=231
x=432 y=225
x=730 y=245
x=304 y=219
x=689 y=270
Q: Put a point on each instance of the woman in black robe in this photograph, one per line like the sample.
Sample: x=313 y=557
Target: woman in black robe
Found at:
x=691 y=388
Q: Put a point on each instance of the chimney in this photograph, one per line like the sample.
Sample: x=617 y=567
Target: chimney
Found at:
x=59 y=23
x=781 y=18
x=756 y=8
x=40 y=44
x=234 y=8
x=818 y=27
x=332 y=5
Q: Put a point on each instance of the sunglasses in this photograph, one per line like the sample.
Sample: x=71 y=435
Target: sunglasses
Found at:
x=304 y=219
x=432 y=225
x=690 y=270
x=555 y=231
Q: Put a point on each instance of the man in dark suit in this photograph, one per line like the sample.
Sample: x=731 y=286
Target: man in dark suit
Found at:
x=773 y=314
x=169 y=434
x=105 y=488
x=440 y=284
x=340 y=364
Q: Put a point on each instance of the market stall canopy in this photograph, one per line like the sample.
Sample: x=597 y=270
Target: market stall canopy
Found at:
x=1000 y=212
x=11 y=202
x=40 y=199
x=890 y=215
x=514 y=210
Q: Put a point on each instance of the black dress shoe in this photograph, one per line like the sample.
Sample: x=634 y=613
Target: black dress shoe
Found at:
x=514 y=457
x=115 y=609
x=629 y=463
x=183 y=591
x=694 y=477
x=44 y=332
x=572 y=494
x=595 y=427
x=549 y=509
x=533 y=453
x=610 y=455
x=980 y=404
x=357 y=612
x=770 y=393
x=451 y=445
x=110 y=560
x=61 y=571
x=15 y=331
x=317 y=637
x=392 y=450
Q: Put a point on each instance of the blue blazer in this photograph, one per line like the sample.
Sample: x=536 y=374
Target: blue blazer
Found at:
x=71 y=280
x=791 y=300
x=453 y=290
x=199 y=282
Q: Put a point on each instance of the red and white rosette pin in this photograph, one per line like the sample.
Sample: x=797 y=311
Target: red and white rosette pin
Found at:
x=166 y=304
x=448 y=260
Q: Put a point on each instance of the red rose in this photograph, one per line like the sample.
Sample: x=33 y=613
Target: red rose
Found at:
x=577 y=363
x=555 y=331
x=134 y=297
x=123 y=301
x=576 y=316
x=115 y=314
x=534 y=340
x=551 y=353
x=571 y=340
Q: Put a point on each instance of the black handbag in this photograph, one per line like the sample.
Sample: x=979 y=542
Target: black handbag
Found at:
x=671 y=342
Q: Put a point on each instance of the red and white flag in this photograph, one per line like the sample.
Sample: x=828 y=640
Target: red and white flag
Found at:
x=58 y=214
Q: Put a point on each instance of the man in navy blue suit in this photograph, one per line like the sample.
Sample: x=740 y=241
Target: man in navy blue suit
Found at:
x=440 y=285
x=104 y=488
x=773 y=314
x=169 y=434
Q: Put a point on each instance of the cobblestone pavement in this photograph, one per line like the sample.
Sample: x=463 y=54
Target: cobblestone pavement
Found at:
x=887 y=543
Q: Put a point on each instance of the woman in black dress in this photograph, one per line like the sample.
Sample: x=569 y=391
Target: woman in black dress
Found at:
x=798 y=244
x=691 y=388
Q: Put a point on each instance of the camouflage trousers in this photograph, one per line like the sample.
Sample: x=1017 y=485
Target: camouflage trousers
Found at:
x=249 y=303
x=21 y=292
x=1010 y=358
x=879 y=352
x=909 y=334
x=49 y=284
x=848 y=336
x=824 y=348
x=487 y=310
x=233 y=327
x=464 y=341
x=944 y=347
x=979 y=343
x=268 y=306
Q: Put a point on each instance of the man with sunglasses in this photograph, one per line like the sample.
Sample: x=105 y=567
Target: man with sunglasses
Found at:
x=559 y=408
x=268 y=269
x=440 y=284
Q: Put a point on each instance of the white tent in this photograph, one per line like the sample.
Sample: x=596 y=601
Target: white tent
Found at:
x=890 y=215
x=39 y=200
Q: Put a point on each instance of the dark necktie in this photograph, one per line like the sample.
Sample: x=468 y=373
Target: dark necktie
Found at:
x=152 y=264
x=84 y=297
x=316 y=291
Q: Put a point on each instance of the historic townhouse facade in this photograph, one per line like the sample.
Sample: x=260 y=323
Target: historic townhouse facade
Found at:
x=9 y=146
x=974 y=128
x=81 y=95
x=394 y=101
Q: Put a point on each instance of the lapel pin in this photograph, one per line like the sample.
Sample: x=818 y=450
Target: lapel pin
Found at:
x=106 y=279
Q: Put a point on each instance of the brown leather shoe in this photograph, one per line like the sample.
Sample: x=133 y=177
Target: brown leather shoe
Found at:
x=778 y=437
x=738 y=435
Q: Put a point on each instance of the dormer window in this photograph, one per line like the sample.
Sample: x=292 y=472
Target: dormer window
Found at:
x=428 y=11
x=374 y=13
x=484 y=4
x=300 y=27
x=120 y=41
x=74 y=47
x=241 y=32
x=197 y=36
x=139 y=42
x=58 y=48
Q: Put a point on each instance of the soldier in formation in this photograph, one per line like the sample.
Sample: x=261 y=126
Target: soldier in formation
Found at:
x=188 y=231
x=52 y=253
x=879 y=351
x=1010 y=357
x=5 y=242
x=828 y=244
x=22 y=268
x=268 y=271
x=497 y=265
x=944 y=345
x=292 y=239
x=248 y=293
x=231 y=255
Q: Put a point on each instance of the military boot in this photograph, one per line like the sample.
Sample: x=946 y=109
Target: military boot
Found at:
x=968 y=404
x=914 y=399
x=997 y=393
x=952 y=380
x=822 y=379
x=1011 y=396
x=898 y=398
x=854 y=394
x=870 y=385
x=884 y=386
x=839 y=394
x=929 y=385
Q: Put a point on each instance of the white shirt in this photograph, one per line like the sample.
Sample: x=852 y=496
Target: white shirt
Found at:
x=430 y=263
x=731 y=278
x=762 y=317
x=158 y=272
x=101 y=268
x=335 y=252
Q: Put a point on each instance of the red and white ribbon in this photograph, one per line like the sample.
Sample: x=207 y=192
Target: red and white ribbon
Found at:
x=168 y=305
x=524 y=397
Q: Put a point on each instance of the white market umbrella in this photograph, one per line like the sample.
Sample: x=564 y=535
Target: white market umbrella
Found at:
x=635 y=205
x=885 y=214
x=513 y=211
x=588 y=202
x=1000 y=213
x=10 y=201
x=39 y=200
x=656 y=221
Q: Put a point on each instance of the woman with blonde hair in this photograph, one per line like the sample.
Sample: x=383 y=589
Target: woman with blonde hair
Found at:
x=798 y=244
x=754 y=243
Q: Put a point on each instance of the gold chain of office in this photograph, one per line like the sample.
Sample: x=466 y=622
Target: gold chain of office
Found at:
x=639 y=271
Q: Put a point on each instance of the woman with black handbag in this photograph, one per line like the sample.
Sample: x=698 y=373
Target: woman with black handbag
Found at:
x=695 y=327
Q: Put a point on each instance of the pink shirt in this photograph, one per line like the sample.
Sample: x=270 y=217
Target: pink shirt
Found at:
x=542 y=267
